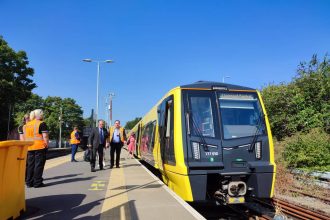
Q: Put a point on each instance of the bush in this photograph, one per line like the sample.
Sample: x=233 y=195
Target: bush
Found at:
x=308 y=151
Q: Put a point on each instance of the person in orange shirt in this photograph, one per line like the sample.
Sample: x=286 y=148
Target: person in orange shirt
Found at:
x=36 y=130
x=74 y=141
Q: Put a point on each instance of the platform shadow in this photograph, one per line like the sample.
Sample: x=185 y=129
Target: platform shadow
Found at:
x=63 y=176
x=69 y=180
x=128 y=209
x=68 y=207
x=59 y=207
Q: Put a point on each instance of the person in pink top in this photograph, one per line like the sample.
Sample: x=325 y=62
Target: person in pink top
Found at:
x=131 y=145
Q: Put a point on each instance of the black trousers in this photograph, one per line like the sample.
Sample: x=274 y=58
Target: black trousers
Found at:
x=115 y=147
x=98 y=150
x=35 y=167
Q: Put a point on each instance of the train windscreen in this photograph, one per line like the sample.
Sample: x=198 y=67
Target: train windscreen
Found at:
x=202 y=116
x=241 y=114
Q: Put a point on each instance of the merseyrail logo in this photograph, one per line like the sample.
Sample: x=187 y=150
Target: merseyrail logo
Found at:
x=97 y=185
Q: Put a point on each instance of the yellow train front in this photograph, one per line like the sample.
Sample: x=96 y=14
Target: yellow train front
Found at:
x=210 y=141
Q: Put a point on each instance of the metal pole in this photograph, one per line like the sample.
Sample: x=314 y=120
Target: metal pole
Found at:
x=97 y=92
x=60 y=138
x=110 y=110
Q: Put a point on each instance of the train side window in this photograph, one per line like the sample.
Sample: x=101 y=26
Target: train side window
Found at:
x=151 y=129
x=148 y=137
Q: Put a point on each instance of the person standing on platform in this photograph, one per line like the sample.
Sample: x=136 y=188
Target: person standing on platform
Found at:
x=36 y=130
x=117 y=140
x=131 y=145
x=25 y=120
x=97 y=141
x=74 y=141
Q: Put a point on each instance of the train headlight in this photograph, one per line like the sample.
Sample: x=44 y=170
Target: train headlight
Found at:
x=196 y=150
x=257 y=148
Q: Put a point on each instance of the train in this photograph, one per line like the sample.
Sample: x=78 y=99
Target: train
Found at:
x=210 y=141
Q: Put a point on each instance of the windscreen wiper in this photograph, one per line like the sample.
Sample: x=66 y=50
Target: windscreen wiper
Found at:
x=259 y=125
x=199 y=134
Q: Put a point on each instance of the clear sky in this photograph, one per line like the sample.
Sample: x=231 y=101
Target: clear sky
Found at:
x=160 y=44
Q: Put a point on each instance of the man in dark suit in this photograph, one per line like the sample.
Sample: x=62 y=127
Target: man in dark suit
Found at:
x=97 y=141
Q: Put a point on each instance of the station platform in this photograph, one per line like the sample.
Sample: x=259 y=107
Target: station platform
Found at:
x=72 y=191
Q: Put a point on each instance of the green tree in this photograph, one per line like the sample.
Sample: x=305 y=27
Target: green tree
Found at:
x=130 y=124
x=34 y=102
x=302 y=104
x=71 y=115
x=15 y=83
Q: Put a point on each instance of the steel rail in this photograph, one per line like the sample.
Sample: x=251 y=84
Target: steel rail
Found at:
x=298 y=211
x=324 y=199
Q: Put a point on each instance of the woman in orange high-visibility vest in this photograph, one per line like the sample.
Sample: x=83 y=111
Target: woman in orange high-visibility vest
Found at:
x=36 y=130
x=74 y=141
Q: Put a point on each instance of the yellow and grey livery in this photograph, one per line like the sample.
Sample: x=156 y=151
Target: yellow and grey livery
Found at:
x=210 y=141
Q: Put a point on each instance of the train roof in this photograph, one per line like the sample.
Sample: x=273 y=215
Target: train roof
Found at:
x=211 y=85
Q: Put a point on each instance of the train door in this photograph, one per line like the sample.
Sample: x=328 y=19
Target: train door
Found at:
x=203 y=130
x=138 y=140
x=166 y=132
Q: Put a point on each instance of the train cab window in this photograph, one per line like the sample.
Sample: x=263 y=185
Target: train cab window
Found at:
x=202 y=116
x=241 y=115
x=166 y=130
x=169 y=140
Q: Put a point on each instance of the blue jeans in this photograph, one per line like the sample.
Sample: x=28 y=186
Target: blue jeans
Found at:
x=74 y=148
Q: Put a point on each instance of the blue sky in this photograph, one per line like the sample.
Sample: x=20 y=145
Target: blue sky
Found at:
x=160 y=44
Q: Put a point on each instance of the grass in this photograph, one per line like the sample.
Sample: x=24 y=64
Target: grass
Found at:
x=286 y=181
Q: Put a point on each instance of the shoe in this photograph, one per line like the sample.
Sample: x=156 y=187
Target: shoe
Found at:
x=29 y=186
x=93 y=169
x=40 y=185
x=118 y=166
x=101 y=168
x=111 y=167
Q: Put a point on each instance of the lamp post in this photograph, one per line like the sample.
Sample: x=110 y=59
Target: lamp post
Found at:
x=60 y=135
x=224 y=77
x=111 y=95
x=97 y=81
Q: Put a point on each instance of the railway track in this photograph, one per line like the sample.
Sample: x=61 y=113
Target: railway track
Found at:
x=323 y=199
x=265 y=211
x=298 y=211
x=291 y=210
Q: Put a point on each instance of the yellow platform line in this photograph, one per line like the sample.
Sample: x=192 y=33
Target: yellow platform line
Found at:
x=61 y=160
x=116 y=205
